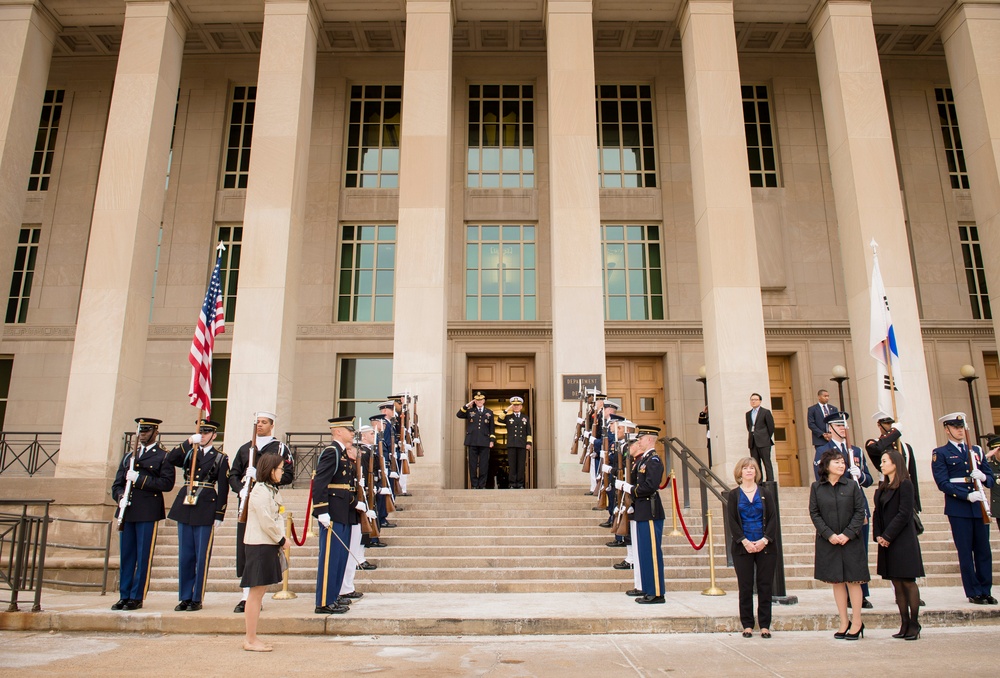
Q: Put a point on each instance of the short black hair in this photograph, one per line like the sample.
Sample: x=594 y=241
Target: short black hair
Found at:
x=757 y=394
x=824 y=463
x=821 y=392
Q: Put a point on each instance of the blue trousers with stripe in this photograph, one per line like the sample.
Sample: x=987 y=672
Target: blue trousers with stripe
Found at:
x=333 y=557
x=136 y=543
x=975 y=560
x=649 y=533
x=194 y=552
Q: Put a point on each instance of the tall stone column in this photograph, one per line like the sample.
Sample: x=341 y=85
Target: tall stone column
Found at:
x=112 y=323
x=731 y=311
x=420 y=332
x=27 y=32
x=574 y=215
x=263 y=351
x=971 y=35
x=866 y=194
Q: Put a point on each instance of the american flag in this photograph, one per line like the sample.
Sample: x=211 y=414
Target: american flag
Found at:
x=211 y=321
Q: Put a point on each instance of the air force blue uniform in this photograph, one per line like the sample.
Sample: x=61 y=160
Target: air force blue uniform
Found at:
x=950 y=464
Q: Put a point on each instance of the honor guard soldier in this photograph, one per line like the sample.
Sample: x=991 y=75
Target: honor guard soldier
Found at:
x=993 y=459
x=402 y=429
x=857 y=468
x=357 y=454
x=142 y=478
x=518 y=441
x=198 y=508
x=243 y=475
x=648 y=513
x=616 y=451
x=334 y=503
x=479 y=438
x=369 y=471
x=959 y=471
x=890 y=433
x=387 y=447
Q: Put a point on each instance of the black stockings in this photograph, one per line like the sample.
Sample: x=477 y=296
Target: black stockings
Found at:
x=908 y=602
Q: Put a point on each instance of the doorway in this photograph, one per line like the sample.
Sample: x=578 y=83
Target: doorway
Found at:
x=786 y=451
x=500 y=379
x=636 y=384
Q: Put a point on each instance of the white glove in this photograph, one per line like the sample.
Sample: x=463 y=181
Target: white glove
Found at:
x=195 y=439
x=580 y=421
x=386 y=491
x=627 y=487
x=619 y=484
x=855 y=472
x=409 y=447
x=371 y=515
x=618 y=509
x=251 y=472
x=605 y=468
x=218 y=524
x=631 y=509
x=361 y=481
x=978 y=475
x=361 y=507
x=243 y=492
x=976 y=496
x=132 y=475
x=393 y=474
x=324 y=520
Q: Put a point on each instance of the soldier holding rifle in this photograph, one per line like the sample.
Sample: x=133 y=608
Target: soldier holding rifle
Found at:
x=962 y=473
x=199 y=507
x=242 y=477
x=648 y=514
x=142 y=478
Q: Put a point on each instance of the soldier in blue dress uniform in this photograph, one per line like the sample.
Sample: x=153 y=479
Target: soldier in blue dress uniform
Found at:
x=388 y=441
x=334 y=503
x=196 y=522
x=382 y=489
x=479 y=438
x=648 y=513
x=518 y=441
x=151 y=476
x=857 y=468
x=956 y=477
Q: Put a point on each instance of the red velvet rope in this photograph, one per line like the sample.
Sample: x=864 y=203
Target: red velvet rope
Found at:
x=305 y=525
x=677 y=511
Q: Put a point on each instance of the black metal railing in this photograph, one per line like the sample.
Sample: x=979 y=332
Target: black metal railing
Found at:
x=305 y=449
x=26 y=453
x=106 y=531
x=23 y=534
x=168 y=440
x=708 y=482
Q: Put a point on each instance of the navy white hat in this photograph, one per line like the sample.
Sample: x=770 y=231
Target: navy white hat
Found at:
x=517 y=400
x=266 y=415
x=365 y=429
x=616 y=417
x=611 y=404
x=387 y=405
x=377 y=417
x=954 y=419
x=881 y=417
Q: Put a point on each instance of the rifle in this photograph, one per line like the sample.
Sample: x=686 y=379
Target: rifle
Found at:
x=984 y=506
x=602 y=494
x=370 y=496
x=621 y=526
x=390 y=506
x=408 y=446
x=366 y=523
x=579 y=423
x=416 y=428
x=394 y=467
x=247 y=480
x=126 y=499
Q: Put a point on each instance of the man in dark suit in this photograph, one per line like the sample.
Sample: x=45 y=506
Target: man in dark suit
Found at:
x=479 y=438
x=760 y=429
x=816 y=416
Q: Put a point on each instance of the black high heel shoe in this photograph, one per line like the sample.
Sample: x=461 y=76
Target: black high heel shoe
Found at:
x=854 y=636
x=911 y=634
x=840 y=635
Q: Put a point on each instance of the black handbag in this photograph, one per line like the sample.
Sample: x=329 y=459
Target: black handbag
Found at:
x=917 y=523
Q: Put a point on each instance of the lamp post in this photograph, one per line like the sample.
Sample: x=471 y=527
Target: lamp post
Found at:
x=704 y=385
x=968 y=373
x=840 y=376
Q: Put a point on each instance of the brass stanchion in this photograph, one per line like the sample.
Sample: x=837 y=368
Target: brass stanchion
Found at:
x=712 y=589
x=284 y=593
x=673 y=507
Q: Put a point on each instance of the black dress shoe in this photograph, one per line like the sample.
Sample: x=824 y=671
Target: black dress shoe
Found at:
x=344 y=600
x=405 y=494
x=977 y=600
x=606 y=523
x=332 y=609
x=624 y=565
x=588 y=494
x=182 y=606
x=383 y=525
x=650 y=600
x=616 y=544
x=367 y=566
x=635 y=593
x=354 y=595
x=866 y=604
x=377 y=545
x=194 y=606
x=398 y=509
x=990 y=600
x=133 y=604
x=120 y=605
x=240 y=606
x=598 y=508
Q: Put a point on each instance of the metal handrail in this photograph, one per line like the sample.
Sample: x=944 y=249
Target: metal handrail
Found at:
x=305 y=448
x=708 y=481
x=76 y=547
x=30 y=450
x=25 y=562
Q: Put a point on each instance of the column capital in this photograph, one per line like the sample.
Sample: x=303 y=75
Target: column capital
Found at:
x=567 y=7
x=430 y=7
x=295 y=7
x=849 y=8
x=713 y=7
x=159 y=8
x=960 y=10
x=23 y=9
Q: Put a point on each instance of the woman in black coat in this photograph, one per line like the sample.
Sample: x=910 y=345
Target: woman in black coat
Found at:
x=898 y=549
x=753 y=524
x=837 y=508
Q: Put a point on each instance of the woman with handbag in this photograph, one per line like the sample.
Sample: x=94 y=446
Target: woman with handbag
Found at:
x=264 y=539
x=898 y=548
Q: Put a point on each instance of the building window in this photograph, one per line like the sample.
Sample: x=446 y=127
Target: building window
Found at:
x=240 y=135
x=6 y=367
x=625 y=147
x=760 y=136
x=232 y=237
x=220 y=388
x=633 y=277
x=373 y=136
x=367 y=273
x=952 y=139
x=501 y=136
x=24 y=272
x=45 y=142
x=500 y=272
x=975 y=272
x=363 y=385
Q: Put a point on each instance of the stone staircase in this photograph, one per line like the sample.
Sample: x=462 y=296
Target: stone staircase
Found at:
x=534 y=541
